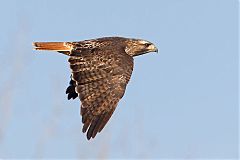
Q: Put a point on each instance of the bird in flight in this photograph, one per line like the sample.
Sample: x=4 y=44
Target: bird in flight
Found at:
x=100 y=71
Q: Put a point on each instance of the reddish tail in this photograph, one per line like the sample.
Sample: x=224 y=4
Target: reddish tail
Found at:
x=53 y=46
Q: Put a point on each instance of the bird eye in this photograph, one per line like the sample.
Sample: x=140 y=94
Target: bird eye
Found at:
x=147 y=44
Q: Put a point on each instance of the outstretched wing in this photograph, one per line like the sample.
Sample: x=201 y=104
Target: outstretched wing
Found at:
x=101 y=77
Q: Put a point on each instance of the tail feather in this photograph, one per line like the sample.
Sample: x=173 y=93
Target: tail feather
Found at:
x=53 y=46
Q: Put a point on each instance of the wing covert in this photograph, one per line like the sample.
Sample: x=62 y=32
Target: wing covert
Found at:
x=101 y=79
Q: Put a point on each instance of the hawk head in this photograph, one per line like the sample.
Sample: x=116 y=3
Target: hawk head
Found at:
x=135 y=47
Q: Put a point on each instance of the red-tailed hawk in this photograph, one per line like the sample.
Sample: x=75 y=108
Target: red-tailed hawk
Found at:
x=101 y=69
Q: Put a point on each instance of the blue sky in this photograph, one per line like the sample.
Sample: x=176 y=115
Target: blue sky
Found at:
x=180 y=103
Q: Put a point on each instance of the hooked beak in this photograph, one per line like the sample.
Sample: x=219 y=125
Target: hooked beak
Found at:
x=153 y=48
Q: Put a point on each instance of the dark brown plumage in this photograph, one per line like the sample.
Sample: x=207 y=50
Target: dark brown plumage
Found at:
x=101 y=69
